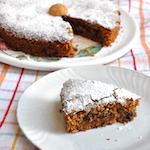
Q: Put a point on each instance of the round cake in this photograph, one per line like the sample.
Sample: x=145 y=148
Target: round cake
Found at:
x=29 y=27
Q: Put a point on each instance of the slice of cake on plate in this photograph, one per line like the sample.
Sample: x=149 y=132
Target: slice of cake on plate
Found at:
x=90 y=104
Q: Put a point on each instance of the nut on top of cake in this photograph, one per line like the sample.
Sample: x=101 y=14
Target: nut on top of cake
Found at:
x=88 y=104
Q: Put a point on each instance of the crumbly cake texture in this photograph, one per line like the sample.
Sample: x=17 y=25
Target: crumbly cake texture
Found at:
x=90 y=104
x=26 y=25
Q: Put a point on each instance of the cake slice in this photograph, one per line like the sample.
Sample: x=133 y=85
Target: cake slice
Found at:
x=90 y=104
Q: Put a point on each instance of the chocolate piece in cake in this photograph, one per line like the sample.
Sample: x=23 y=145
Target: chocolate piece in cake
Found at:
x=90 y=104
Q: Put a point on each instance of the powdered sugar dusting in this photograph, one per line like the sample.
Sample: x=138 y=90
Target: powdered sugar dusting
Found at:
x=81 y=94
x=30 y=19
x=102 y=12
x=124 y=128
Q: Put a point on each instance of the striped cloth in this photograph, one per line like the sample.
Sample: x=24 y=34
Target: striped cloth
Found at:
x=14 y=81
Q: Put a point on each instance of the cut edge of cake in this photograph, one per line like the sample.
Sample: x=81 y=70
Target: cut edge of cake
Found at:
x=94 y=31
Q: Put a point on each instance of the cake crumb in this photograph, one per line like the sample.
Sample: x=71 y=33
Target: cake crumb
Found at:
x=69 y=30
x=108 y=139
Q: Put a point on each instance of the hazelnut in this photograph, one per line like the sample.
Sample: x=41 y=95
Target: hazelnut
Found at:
x=58 y=10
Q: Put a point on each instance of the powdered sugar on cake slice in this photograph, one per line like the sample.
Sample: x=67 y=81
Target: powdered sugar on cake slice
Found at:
x=81 y=94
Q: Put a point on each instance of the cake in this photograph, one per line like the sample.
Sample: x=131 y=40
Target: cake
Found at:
x=88 y=104
x=29 y=27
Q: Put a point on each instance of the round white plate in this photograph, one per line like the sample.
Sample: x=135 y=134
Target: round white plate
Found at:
x=42 y=123
x=124 y=42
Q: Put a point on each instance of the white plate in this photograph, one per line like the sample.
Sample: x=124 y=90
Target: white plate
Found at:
x=42 y=123
x=125 y=41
